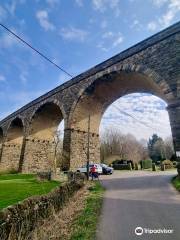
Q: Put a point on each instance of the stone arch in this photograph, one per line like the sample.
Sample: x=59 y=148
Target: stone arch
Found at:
x=164 y=91
x=49 y=102
x=12 y=145
x=40 y=142
x=1 y=142
x=95 y=97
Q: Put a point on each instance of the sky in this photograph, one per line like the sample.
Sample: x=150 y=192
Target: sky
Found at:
x=78 y=34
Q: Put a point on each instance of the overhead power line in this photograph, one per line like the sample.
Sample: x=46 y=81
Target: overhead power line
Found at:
x=137 y=120
x=34 y=49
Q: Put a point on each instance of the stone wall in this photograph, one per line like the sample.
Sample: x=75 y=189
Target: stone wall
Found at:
x=18 y=221
x=174 y=116
x=10 y=156
x=38 y=156
x=79 y=149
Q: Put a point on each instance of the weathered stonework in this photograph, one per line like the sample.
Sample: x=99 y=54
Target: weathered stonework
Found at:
x=10 y=156
x=42 y=157
x=152 y=66
x=79 y=148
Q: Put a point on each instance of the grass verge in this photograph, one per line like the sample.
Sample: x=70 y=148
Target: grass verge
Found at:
x=17 y=187
x=176 y=183
x=84 y=226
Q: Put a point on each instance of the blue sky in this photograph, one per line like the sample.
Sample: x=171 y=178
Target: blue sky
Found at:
x=76 y=34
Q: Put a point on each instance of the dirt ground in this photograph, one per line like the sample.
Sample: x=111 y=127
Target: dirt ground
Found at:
x=59 y=226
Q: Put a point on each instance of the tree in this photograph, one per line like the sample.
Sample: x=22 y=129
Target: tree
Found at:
x=126 y=146
x=169 y=148
x=159 y=149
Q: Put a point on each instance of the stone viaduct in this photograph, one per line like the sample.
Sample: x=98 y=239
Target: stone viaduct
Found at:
x=152 y=66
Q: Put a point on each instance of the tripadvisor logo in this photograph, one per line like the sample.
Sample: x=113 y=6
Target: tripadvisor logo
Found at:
x=139 y=231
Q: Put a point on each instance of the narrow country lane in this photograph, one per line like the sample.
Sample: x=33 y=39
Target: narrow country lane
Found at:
x=139 y=199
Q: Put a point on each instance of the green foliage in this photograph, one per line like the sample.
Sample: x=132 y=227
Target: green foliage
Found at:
x=146 y=163
x=17 y=187
x=156 y=148
x=176 y=183
x=85 y=225
x=122 y=166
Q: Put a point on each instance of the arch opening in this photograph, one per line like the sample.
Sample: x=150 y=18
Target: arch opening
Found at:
x=43 y=140
x=97 y=97
x=11 y=152
x=129 y=123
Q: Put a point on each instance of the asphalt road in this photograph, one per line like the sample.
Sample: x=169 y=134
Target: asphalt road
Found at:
x=139 y=199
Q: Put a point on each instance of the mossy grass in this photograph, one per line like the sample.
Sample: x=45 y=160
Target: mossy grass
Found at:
x=84 y=226
x=17 y=187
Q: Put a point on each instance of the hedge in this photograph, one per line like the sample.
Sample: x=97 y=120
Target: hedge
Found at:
x=146 y=163
x=122 y=166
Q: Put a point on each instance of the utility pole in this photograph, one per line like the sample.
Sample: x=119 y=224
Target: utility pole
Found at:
x=88 y=143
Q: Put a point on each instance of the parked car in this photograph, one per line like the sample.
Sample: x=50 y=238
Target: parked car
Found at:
x=83 y=169
x=106 y=169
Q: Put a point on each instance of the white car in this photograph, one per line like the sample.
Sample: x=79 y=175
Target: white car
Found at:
x=83 y=169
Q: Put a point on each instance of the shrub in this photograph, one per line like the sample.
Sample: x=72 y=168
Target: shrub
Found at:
x=122 y=166
x=123 y=162
x=168 y=164
x=146 y=163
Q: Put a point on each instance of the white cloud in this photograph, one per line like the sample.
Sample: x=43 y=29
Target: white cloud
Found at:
x=7 y=41
x=110 y=40
x=79 y=3
x=136 y=25
x=73 y=33
x=159 y=3
x=108 y=34
x=23 y=77
x=52 y=3
x=173 y=8
x=148 y=116
x=103 y=5
x=2 y=78
x=12 y=6
x=152 y=26
x=118 y=41
x=43 y=18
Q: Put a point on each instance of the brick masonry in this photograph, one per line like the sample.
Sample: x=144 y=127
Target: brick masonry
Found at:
x=152 y=66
